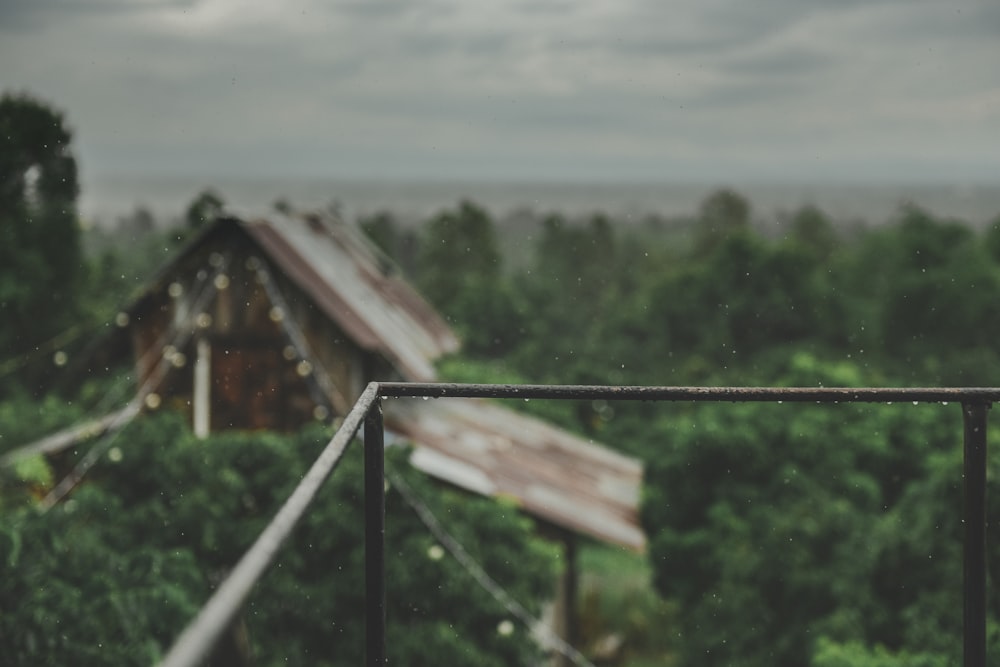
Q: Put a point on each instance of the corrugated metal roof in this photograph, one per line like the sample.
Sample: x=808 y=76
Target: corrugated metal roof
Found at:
x=558 y=477
x=473 y=444
x=336 y=266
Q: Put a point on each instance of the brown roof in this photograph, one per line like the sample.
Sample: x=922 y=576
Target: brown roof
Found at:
x=549 y=473
x=476 y=445
x=340 y=270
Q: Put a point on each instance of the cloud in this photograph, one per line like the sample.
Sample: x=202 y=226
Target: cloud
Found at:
x=18 y=16
x=473 y=88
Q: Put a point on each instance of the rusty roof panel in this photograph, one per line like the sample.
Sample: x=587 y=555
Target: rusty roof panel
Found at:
x=473 y=444
x=551 y=474
x=346 y=277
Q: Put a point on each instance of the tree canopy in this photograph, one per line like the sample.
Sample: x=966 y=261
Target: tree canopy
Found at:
x=40 y=254
x=826 y=536
x=113 y=574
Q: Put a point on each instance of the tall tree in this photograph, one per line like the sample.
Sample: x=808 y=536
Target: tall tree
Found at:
x=721 y=214
x=201 y=211
x=460 y=271
x=459 y=247
x=40 y=251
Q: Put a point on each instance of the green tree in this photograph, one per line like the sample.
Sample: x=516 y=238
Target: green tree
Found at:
x=398 y=243
x=721 y=214
x=40 y=255
x=569 y=298
x=458 y=248
x=856 y=654
x=75 y=589
x=460 y=271
x=991 y=237
x=924 y=289
x=773 y=526
x=156 y=526
x=813 y=229
x=201 y=211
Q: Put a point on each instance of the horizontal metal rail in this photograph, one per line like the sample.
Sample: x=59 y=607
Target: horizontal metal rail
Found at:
x=716 y=394
x=197 y=640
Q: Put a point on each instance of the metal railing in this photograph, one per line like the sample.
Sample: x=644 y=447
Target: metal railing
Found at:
x=197 y=640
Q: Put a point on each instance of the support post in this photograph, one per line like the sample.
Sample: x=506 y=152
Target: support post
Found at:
x=374 y=537
x=202 y=394
x=974 y=516
x=571 y=582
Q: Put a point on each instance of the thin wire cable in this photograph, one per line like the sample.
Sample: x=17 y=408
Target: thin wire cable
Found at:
x=183 y=331
x=68 y=335
x=198 y=638
x=105 y=423
x=69 y=482
x=476 y=571
x=60 y=440
x=171 y=336
x=327 y=389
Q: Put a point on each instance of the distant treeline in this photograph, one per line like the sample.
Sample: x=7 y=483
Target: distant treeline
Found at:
x=710 y=298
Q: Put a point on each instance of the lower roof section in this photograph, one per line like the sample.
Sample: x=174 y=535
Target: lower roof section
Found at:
x=555 y=476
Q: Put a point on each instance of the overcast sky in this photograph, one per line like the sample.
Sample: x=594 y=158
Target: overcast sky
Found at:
x=649 y=90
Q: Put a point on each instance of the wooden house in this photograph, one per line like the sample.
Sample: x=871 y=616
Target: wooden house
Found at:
x=268 y=323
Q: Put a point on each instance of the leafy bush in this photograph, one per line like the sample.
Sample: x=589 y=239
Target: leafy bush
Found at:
x=113 y=574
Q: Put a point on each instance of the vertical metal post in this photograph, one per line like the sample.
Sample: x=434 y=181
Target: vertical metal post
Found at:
x=974 y=516
x=572 y=587
x=374 y=537
x=201 y=400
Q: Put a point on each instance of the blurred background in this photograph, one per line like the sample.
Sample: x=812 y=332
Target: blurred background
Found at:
x=673 y=193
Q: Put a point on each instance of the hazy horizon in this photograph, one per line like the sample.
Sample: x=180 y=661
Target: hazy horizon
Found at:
x=107 y=198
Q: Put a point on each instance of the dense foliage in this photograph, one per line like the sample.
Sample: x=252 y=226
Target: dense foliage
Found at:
x=784 y=535
x=40 y=254
x=113 y=574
